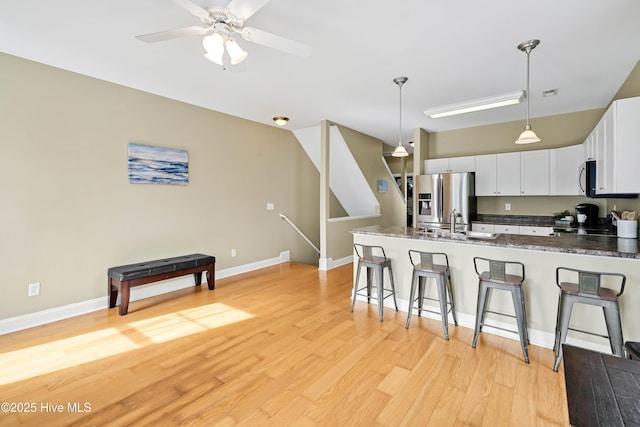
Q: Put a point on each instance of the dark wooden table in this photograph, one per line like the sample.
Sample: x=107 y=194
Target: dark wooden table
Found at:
x=602 y=390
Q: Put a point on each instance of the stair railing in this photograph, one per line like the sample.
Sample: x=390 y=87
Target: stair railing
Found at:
x=284 y=217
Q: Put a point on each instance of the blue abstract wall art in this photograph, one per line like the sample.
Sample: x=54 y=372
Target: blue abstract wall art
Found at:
x=157 y=165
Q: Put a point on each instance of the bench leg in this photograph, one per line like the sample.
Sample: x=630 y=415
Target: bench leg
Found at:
x=198 y=278
x=211 y=277
x=124 y=298
x=112 y=291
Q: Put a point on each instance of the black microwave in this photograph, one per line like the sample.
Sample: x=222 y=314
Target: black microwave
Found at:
x=587 y=183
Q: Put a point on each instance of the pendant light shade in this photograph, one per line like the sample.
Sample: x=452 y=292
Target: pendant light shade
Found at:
x=528 y=136
x=214 y=45
x=235 y=51
x=400 y=151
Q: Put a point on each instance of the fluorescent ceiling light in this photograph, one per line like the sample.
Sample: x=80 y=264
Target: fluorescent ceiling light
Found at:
x=477 y=104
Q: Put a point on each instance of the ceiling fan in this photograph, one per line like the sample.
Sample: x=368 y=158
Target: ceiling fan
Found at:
x=219 y=23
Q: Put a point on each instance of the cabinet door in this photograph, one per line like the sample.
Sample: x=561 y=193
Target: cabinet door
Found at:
x=508 y=174
x=626 y=148
x=536 y=231
x=534 y=173
x=589 y=147
x=563 y=170
x=462 y=164
x=436 y=166
x=604 y=157
x=486 y=177
x=487 y=228
x=507 y=229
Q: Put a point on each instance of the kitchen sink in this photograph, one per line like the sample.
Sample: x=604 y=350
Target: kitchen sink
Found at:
x=480 y=234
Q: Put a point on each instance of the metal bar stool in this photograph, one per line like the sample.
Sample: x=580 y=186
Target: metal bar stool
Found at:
x=587 y=290
x=497 y=278
x=374 y=264
x=426 y=269
x=633 y=349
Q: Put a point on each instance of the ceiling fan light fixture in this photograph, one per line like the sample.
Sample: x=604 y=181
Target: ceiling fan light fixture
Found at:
x=479 y=104
x=281 y=120
x=214 y=45
x=214 y=58
x=528 y=136
x=235 y=52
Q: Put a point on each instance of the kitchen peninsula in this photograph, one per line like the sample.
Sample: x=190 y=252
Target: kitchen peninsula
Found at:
x=540 y=255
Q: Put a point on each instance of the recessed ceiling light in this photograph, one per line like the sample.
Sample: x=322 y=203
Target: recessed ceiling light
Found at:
x=550 y=92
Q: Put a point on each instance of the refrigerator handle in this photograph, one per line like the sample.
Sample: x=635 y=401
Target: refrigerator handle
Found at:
x=440 y=199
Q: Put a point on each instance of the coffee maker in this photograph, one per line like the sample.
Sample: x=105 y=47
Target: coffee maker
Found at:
x=587 y=215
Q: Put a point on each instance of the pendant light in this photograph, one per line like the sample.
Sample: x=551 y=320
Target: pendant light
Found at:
x=528 y=136
x=400 y=151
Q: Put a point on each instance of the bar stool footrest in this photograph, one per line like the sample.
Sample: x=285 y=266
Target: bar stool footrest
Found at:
x=589 y=333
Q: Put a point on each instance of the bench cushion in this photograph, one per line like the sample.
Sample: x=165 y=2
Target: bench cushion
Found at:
x=160 y=266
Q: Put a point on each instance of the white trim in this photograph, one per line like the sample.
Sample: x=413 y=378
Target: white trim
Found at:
x=350 y=218
x=536 y=337
x=30 y=320
x=325 y=264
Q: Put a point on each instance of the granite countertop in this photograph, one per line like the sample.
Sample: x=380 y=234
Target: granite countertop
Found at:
x=571 y=243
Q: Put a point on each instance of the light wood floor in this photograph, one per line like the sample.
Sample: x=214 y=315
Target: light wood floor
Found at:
x=276 y=347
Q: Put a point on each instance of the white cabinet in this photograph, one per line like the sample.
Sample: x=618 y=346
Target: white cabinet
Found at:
x=536 y=231
x=486 y=175
x=512 y=229
x=487 y=228
x=619 y=148
x=534 y=173
x=590 y=146
x=563 y=170
x=451 y=164
x=498 y=174
x=436 y=166
x=507 y=229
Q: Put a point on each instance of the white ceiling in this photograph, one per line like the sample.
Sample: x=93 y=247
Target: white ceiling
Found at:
x=450 y=50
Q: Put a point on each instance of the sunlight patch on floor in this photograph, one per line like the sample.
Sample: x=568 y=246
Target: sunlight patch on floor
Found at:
x=61 y=354
x=186 y=322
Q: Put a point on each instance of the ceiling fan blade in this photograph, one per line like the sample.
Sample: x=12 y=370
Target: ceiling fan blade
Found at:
x=173 y=34
x=276 y=42
x=243 y=9
x=198 y=11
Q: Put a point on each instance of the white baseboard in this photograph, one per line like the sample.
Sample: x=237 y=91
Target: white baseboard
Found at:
x=25 y=321
x=536 y=337
x=328 y=263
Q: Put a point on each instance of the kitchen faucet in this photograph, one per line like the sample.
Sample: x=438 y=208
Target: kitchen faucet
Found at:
x=453 y=217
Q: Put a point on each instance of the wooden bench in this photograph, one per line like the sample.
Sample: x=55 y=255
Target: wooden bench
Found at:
x=123 y=278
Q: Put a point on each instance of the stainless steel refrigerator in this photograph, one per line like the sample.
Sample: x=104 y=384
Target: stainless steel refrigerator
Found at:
x=437 y=195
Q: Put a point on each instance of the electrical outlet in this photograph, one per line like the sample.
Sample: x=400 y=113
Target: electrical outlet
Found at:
x=34 y=289
x=233 y=252
x=507 y=206
x=270 y=206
